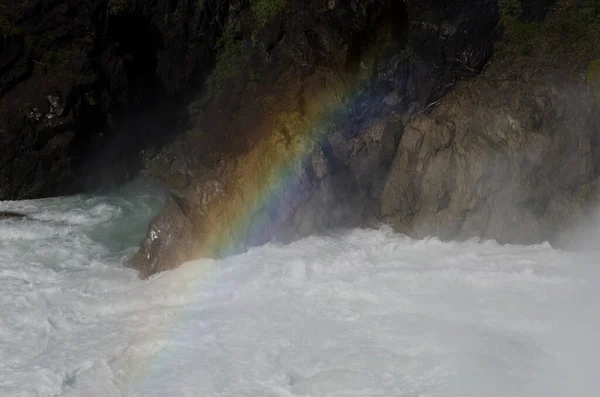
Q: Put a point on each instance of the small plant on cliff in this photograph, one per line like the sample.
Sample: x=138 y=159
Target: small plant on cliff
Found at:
x=590 y=10
x=569 y=34
x=265 y=10
x=30 y=42
x=229 y=60
x=510 y=9
x=116 y=7
x=89 y=99
x=58 y=58
x=7 y=28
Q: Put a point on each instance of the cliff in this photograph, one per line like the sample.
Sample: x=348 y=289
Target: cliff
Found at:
x=303 y=117
x=86 y=86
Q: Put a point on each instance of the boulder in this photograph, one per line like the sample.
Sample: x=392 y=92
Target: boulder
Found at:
x=498 y=158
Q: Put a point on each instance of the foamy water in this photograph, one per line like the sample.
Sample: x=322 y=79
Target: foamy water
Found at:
x=360 y=313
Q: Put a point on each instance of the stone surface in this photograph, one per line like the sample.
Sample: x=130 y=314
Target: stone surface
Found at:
x=500 y=158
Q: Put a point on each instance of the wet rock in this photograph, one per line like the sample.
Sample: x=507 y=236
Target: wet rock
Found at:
x=11 y=215
x=57 y=106
x=170 y=239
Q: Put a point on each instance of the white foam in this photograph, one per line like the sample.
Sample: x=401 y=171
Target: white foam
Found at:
x=362 y=313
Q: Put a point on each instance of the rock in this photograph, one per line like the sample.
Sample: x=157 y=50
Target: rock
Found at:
x=110 y=74
x=497 y=158
x=11 y=215
x=170 y=240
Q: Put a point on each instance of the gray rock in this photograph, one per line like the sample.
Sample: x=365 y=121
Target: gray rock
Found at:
x=511 y=161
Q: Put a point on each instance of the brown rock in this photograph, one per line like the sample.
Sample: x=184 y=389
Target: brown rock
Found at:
x=495 y=160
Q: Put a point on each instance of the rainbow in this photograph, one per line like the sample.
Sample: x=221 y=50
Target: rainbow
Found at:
x=255 y=185
x=253 y=188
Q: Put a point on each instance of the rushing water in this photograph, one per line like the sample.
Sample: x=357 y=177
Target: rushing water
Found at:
x=360 y=313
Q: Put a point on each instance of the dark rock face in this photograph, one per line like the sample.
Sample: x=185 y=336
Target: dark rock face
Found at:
x=84 y=86
x=10 y=215
x=344 y=77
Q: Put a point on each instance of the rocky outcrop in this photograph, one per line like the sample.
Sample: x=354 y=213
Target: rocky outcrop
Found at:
x=512 y=154
x=299 y=138
x=501 y=157
x=85 y=86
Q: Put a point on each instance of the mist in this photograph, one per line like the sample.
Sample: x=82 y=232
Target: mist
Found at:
x=364 y=312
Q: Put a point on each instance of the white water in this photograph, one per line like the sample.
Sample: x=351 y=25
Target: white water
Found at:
x=365 y=313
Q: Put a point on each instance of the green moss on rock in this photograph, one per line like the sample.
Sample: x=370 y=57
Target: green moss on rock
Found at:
x=243 y=26
x=510 y=9
x=590 y=10
x=89 y=99
x=229 y=60
x=265 y=10
x=7 y=28
x=116 y=7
